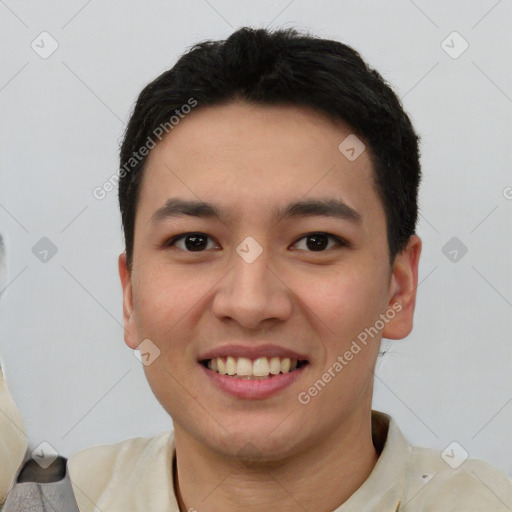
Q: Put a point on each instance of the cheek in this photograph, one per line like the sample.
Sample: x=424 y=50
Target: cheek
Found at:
x=166 y=303
x=160 y=281
x=343 y=302
x=342 y=307
x=161 y=299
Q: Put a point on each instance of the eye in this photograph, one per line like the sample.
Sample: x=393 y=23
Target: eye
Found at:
x=318 y=242
x=193 y=242
x=198 y=242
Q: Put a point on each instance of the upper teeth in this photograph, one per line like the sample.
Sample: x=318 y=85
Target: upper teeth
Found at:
x=243 y=366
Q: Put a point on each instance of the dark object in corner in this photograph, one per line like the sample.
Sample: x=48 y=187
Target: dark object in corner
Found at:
x=33 y=472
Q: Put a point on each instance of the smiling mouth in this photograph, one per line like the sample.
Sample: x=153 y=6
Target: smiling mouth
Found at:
x=253 y=369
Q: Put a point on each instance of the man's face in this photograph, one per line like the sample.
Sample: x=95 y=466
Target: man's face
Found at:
x=289 y=300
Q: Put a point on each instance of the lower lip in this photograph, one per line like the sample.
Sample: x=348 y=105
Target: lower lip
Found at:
x=253 y=389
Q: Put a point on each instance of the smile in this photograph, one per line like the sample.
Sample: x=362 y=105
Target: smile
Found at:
x=245 y=368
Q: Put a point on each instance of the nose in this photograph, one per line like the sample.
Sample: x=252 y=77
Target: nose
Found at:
x=252 y=293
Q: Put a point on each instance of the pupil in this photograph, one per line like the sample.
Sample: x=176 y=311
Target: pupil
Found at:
x=319 y=242
x=195 y=242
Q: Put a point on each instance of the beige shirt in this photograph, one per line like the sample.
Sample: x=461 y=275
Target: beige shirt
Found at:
x=136 y=475
x=13 y=441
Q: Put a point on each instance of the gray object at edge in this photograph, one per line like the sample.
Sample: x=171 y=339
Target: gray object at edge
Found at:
x=34 y=496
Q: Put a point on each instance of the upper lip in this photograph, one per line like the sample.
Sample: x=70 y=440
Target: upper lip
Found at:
x=252 y=352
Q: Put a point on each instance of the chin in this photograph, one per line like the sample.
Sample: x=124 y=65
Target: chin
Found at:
x=263 y=441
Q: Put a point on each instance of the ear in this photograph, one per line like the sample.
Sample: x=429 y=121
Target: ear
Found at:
x=130 y=327
x=402 y=290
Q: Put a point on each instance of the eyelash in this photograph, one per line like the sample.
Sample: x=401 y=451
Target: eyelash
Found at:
x=341 y=243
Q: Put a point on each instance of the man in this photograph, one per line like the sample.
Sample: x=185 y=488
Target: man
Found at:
x=268 y=191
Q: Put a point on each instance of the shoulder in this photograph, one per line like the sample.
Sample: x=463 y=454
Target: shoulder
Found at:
x=13 y=441
x=131 y=450
x=99 y=473
x=454 y=482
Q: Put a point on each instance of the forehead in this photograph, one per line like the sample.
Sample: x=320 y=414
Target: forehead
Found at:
x=254 y=159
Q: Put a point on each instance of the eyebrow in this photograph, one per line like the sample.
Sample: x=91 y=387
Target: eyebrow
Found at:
x=330 y=207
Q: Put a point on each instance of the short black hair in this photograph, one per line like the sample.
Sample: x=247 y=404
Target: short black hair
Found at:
x=282 y=67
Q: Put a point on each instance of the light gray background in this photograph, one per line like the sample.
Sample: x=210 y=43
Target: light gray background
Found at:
x=73 y=378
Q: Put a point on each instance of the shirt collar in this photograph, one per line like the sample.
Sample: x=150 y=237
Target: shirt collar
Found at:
x=383 y=489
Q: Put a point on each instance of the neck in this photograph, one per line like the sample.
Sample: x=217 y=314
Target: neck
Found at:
x=211 y=482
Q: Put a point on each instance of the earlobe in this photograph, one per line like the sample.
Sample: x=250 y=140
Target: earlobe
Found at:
x=130 y=328
x=403 y=287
